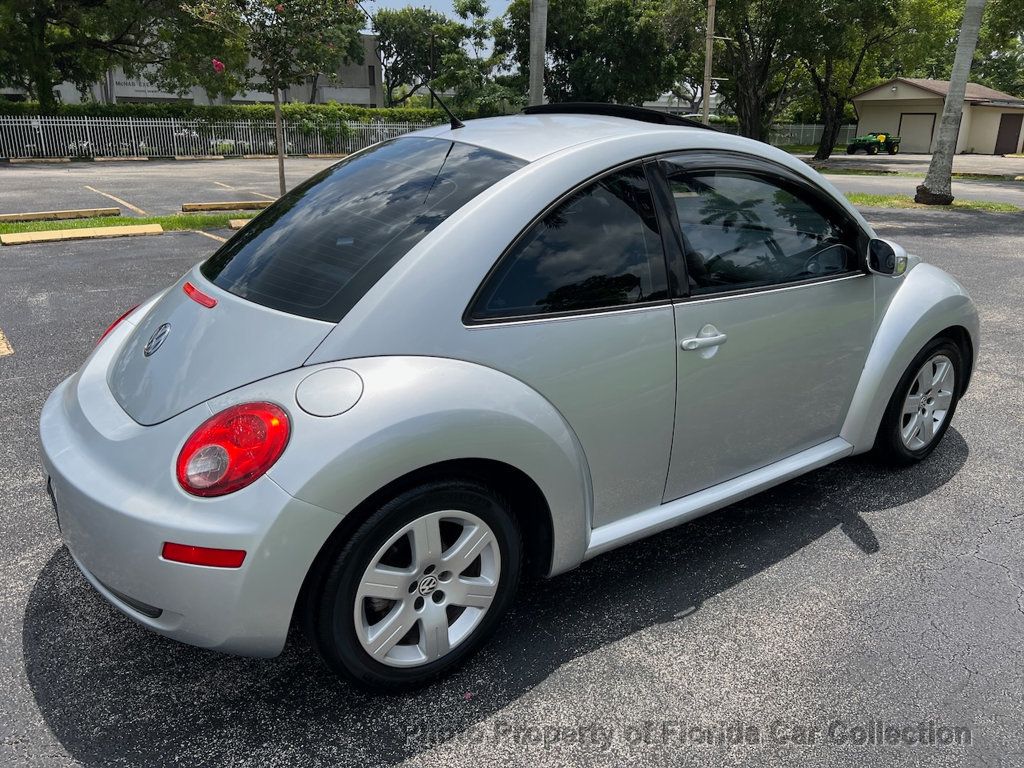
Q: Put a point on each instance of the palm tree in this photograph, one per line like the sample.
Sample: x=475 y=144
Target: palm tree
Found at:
x=938 y=185
x=538 y=43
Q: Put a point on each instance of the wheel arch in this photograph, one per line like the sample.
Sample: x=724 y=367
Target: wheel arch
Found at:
x=928 y=303
x=527 y=501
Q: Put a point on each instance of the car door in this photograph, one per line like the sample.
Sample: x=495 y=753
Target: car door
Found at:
x=578 y=308
x=774 y=315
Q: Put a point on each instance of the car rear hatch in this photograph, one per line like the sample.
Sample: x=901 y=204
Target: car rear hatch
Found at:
x=198 y=352
x=285 y=280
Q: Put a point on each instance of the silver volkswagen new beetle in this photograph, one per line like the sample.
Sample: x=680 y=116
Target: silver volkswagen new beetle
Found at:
x=479 y=351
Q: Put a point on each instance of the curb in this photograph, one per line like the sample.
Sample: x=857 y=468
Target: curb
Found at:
x=77 y=213
x=126 y=158
x=199 y=157
x=238 y=205
x=86 y=233
x=238 y=223
x=326 y=155
x=47 y=160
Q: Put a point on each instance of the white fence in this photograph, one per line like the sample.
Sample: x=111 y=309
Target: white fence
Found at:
x=44 y=137
x=27 y=137
x=796 y=133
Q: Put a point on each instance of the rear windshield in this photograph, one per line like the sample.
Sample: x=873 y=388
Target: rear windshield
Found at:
x=318 y=249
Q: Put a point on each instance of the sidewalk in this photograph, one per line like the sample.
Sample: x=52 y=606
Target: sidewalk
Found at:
x=993 y=165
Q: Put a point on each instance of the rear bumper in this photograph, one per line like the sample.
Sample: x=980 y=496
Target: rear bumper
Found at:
x=118 y=502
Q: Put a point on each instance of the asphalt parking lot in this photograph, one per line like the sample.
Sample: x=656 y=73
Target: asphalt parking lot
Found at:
x=158 y=188
x=154 y=188
x=854 y=595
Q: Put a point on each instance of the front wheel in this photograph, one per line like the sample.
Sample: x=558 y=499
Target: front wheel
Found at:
x=419 y=587
x=923 y=404
x=894 y=149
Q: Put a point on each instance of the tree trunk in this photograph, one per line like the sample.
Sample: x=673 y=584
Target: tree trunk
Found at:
x=40 y=69
x=938 y=185
x=832 y=119
x=279 y=131
x=538 y=46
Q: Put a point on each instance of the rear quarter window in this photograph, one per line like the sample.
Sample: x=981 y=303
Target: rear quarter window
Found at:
x=317 y=250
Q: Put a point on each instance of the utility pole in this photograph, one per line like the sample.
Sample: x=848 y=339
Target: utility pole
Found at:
x=538 y=47
x=709 y=43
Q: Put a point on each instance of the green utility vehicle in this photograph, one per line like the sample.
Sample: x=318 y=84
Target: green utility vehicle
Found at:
x=872 y=143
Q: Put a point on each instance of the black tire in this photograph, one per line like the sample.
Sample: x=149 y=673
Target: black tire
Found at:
x=889 y=446
x=851 y=150
x=331 y=607
x=894 y=149
x=872 y=149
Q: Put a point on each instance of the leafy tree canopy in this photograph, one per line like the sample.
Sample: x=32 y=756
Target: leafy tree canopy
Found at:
x=598 y=50
x=46 y=42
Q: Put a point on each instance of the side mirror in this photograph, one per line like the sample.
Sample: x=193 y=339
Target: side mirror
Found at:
x=886 y=258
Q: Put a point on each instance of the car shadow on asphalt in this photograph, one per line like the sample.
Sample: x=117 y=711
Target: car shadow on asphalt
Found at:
x=112 y=692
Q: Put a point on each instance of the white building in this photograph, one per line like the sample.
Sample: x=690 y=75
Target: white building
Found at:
x=357 y=84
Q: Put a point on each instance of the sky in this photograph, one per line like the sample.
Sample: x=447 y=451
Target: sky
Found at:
x=497 y=7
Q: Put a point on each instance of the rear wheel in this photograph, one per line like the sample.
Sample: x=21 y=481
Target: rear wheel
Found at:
x=894 y=149
x=872 y=149
x=851 y=150
x=419 y=587
x=923 y=404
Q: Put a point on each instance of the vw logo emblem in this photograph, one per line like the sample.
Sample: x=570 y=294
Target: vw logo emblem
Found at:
x=157 y=339
x=428 y=585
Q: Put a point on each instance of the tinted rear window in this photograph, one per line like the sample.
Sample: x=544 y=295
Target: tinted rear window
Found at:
x=318 y=249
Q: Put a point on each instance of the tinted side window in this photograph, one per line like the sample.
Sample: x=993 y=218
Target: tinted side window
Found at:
x=744 y=230
x=318 y=249
x=599 y=248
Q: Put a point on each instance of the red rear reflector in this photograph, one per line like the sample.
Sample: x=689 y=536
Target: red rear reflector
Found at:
x=198 y=296
x=116 y=323
x=217 y=558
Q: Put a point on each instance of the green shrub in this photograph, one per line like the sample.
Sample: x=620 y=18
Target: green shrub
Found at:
x=310 y=115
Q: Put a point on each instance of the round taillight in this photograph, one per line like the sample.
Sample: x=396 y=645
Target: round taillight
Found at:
x=233 y=448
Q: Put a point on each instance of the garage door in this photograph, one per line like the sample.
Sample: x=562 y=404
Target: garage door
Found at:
x=916 y=131
x=1009 y=133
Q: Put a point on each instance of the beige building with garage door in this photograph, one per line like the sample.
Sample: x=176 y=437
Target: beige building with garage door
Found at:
x=992 y=123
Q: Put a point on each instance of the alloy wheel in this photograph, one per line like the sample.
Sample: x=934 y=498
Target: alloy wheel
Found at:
x=927 y=402
x=427 y=588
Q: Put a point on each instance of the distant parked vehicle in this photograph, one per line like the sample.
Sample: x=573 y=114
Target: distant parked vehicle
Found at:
x=871 y=143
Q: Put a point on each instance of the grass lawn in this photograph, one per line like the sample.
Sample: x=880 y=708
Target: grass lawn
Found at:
x=174 y=221
x=906 y=201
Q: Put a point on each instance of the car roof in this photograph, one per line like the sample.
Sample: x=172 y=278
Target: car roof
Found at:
x=531 y=137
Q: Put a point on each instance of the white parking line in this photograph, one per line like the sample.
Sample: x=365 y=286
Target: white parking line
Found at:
x=118 y=200
x=5 y=345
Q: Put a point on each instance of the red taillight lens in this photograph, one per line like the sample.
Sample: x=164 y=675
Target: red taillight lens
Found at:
x=217 y=558
x=198 y=296
x=232 y=449
x=116 y=323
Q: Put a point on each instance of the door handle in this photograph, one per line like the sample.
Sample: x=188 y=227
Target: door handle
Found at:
x=704 y=339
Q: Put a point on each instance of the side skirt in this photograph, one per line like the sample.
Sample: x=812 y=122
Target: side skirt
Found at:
x=642 y=524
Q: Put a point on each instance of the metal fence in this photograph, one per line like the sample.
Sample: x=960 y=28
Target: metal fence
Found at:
x=807 y=134
x=84 y=137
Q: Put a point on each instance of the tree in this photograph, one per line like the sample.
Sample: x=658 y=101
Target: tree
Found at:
x=412 y=43
x=758 y=58
x=46 y=42
x=837 y=47
x=938 y=184
x=538 y=48
x=597 y=50
x=288 y=41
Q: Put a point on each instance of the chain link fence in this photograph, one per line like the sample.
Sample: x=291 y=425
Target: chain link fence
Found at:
x=88 y=137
